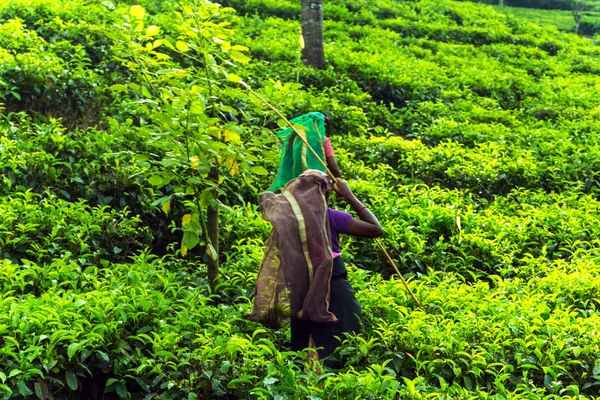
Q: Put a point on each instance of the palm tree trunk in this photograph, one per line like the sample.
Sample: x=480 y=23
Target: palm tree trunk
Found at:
x=312 y=31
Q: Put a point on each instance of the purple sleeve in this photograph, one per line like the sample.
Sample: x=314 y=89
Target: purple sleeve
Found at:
x=339 y=221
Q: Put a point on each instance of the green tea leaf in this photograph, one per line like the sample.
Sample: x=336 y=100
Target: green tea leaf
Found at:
x=137 y=11
x=72 y=349
x=122 y=391
x=239 y=57
x=38 y=390
x=182 y=46
x=234 y=78
x=23 y=389
x=72 y=381
x=258 y=170
x=152 y=30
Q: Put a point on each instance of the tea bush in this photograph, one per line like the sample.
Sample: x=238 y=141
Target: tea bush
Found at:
x=470 y=134
x=43 y=227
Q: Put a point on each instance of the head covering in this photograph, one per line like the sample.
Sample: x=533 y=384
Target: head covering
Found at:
x=295 y=155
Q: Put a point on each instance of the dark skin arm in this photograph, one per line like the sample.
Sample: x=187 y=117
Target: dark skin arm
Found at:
x=333 y=167
x=367 y=226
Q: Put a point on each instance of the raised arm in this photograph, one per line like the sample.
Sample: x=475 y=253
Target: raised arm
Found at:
x=367 y=226
x=330 y=158
x=333 y=167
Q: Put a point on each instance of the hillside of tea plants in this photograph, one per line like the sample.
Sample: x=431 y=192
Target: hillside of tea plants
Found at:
x=562 y=19
x=129 y=129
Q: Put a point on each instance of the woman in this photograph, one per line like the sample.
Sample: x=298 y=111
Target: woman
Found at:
x=342 y=302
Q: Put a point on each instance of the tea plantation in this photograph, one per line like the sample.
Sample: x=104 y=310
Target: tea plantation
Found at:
x=127 y=131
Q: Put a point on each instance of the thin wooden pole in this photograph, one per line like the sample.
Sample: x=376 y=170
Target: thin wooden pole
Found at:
x=245 y=85
x=398 y=272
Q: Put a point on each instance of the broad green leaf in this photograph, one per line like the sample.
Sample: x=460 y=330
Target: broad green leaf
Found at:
x=190 y=239
x=72 y=349
x=118 y=88
x=111 y=381
x=239 y=57
x=23 y=389
x=166 y=207
x=270 y=381
x=234 y=78
x=232 y=137
x=155 y=180
x=122 y=391
x=134 y=277
x=35 y=371
x=258 y=170
x=6 y=388
x=146 y=92
x=14 y=372
x=137 y=11
x=206 y=197
x=235 y=382
x=71 y=380
x=152 y=30
x=186 y=219
x=182 y=46
x=38 y=390
x=104 y=356
x=595 y=372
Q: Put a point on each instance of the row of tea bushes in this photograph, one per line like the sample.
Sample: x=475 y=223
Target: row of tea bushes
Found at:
x=146 y=328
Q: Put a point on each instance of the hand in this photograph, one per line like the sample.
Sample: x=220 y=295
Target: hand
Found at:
x=343 y=190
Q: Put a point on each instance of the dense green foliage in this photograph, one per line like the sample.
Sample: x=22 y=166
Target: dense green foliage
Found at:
x=562 y=19
x=472 y=134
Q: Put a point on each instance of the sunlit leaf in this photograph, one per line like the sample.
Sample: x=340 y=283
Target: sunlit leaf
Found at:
x=234 y=78
x=232 y=137
x=137 y=11
x=118 y=87
x=166 y=207
x=184 y=249
x=155 y=180
x=182 y=46
x=152 y=30
x=258 y=170
x=72 y=349
x=239 y=57
x=186 y=219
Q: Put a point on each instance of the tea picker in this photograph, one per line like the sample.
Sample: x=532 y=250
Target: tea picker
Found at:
x=319 y=158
